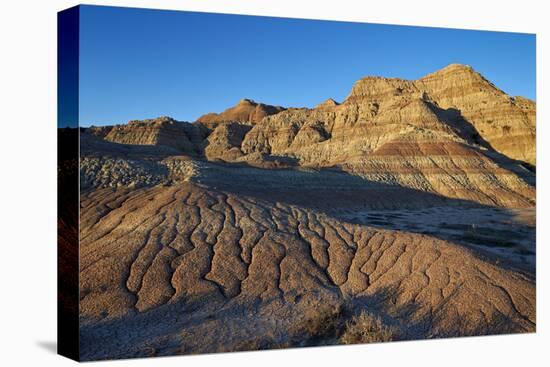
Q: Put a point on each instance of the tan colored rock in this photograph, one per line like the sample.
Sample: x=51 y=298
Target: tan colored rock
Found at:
x=327 y=104
x=506 y=123
x=99 y=131
x=246 y=111
x=225 y=141
x=163 y=131
x=455 y=99
x=445 y=109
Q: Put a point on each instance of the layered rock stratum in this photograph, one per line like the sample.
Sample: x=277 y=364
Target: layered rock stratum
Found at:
x=269 y=227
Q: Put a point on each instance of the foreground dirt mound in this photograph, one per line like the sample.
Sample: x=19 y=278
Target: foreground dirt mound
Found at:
x=181 y=269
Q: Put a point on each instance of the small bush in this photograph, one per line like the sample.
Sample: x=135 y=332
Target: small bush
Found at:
x=366 y=328
x=323 y=323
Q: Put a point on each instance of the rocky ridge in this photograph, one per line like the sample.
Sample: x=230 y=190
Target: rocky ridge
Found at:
x=444 y=133
x=162 y=131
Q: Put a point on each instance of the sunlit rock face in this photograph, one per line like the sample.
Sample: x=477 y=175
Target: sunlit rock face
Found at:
x=506 y=123
x=246 y=111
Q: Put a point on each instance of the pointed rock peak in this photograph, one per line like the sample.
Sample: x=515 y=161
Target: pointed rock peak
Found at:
x=246 y=101
x=456 y=75
x=165 y=119
x=246 y=111
x=461 y=67
x=454 y=69
x=328 y=103
x=377 y=89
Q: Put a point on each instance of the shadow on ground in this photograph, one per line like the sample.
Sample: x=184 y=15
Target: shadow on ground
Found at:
x=173 y=329
x=496 y=234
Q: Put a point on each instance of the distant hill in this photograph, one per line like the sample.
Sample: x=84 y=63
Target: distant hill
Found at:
x=246 y=111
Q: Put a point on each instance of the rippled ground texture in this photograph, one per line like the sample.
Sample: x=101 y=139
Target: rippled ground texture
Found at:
x=183 y=269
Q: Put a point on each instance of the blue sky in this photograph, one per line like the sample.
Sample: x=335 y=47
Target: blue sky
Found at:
x=138 y=63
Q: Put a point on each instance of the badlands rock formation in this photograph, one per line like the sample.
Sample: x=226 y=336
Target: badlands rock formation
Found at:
x=455 y=103
x=246 y=111
x=225 y=141
x=163 y=131
x=264 y=227
x=506 y=123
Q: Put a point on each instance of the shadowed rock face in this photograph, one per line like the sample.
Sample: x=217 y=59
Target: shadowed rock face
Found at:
x=240 y=231
x=163 y=131
x=225 y=141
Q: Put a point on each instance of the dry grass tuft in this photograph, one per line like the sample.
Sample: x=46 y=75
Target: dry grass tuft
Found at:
x=366 y=328
x=319 y=325
x=323 y=322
